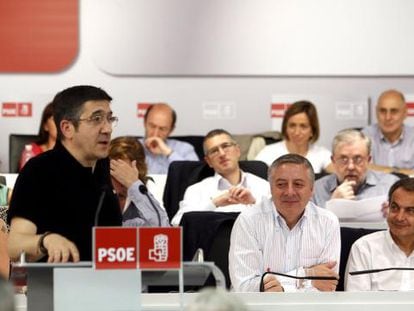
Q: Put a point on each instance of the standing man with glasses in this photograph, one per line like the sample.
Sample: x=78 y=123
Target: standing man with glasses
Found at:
x=56 y=196
x=160 y=151
x=230 y=189
x=351 y=155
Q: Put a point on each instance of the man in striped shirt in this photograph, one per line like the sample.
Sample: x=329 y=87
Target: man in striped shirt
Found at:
x=286 y=234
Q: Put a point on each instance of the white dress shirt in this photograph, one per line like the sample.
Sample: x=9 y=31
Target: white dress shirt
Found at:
x=261 y=241
x=198 y=197
x=377 y=251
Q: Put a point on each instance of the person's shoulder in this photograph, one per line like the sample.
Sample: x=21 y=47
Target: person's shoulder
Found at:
x=316 y=211
x=264 y=210
x=372 y=238
x=371 y=130
x=175 y=143
x=256 y=178
x=325 y=180
x=384 y=177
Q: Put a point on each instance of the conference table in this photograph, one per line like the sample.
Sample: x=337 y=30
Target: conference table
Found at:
x=338 y=301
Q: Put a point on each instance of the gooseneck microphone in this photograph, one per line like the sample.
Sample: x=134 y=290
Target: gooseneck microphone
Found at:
x=379 y=270
x=99 y=206
x=144 y=190
x=323 y=278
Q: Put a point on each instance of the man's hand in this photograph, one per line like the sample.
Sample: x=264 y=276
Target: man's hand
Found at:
x=124 y=172
x=235 y=195
x=325 y=269
x=271 y=284
x=345 y=190
x=158 y=146
x=60 y=249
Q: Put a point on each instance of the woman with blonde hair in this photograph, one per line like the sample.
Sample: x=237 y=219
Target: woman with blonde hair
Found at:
x=129 y=177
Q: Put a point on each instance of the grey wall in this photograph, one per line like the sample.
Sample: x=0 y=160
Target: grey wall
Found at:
x=249 y=96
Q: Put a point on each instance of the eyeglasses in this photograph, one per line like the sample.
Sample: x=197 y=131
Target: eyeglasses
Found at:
x=357 y=160
x=215 y=151
x=99 y=119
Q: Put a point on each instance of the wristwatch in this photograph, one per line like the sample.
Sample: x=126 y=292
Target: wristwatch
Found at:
x=41 y=245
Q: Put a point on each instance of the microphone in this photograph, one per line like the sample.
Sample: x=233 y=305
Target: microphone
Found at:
x=144 y=190
x=379 y=270
x=99 y=206
x=323 y=278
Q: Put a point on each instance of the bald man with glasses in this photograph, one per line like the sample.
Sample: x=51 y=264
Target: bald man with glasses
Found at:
x=351 y=155
x=230 y=189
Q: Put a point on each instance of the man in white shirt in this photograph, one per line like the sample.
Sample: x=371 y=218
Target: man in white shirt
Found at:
x=286 y=234
x=393 y=248
x=230 y=189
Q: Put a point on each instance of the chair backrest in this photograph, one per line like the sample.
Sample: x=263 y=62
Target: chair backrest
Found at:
x=16 y=146
x=348 y=237
x=182 y=174
x=196 y=141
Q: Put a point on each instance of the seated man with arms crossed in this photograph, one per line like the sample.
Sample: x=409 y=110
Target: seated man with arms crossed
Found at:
x=351 y=155
x=393 y=248
x=56 y=195
x=230 y=189
x=160 y=151
x=285 y=233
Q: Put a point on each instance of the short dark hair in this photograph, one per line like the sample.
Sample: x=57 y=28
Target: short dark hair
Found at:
x=213 y=133
x=68 y=104
x=292 y=158
x=173 y=114
x=46 y=114
x=406 y=183
x=310 y=110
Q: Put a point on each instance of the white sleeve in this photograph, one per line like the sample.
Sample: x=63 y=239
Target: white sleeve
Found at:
x=357 y=261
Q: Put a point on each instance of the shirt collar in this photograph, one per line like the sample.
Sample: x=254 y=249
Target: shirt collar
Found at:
x=382 y=137
x=280 y=221
x=224 y=184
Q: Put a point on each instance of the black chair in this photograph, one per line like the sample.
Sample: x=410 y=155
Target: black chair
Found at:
x=209 y=231
x=16 y=146
x=348 y=237
x=182 y=174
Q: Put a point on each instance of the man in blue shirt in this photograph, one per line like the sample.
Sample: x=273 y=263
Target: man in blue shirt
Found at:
x=159 y=122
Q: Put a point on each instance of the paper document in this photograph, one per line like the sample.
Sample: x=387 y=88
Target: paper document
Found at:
x=367 y=210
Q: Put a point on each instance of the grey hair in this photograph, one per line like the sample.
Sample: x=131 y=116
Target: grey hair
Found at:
x=349 y=136
x=292 y=158
x=216 y=299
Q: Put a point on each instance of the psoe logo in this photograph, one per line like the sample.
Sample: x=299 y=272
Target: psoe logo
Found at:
x=14 y=109
x=160 y=251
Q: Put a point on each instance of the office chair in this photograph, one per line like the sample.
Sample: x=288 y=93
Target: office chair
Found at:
x=16 y=146
x=182 y=174
x=348 y=237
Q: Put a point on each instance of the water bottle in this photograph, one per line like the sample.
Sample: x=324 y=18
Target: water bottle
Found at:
x=27 y=154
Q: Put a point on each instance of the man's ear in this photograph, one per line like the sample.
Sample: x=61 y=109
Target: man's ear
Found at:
x=67 y=128
x=206 y=158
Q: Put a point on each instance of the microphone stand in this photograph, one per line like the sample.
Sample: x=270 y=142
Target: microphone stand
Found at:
x=144 y=190
x=379 y=270
x=98 y=209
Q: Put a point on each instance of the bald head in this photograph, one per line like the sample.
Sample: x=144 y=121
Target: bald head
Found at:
x=159 y=120
x=391 y=113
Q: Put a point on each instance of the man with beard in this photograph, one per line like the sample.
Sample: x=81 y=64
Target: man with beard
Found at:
x=351 y=155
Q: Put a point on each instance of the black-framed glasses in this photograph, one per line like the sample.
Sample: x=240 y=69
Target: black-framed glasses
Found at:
x=357 y=160
x=99 y=119
x=215 y=151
